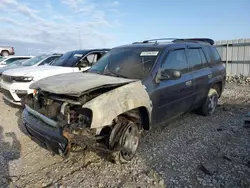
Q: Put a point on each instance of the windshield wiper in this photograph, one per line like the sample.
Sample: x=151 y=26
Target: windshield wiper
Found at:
x=93 y=71
x=114 y=74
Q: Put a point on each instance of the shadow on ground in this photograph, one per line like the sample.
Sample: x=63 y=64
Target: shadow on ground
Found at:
x=8 y=152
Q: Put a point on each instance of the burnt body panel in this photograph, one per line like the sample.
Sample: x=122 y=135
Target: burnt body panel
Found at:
x=108 y=106
x=76 y=84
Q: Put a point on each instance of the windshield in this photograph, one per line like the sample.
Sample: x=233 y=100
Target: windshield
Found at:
x=133 y=63
x=34 y=60
x=69 y=59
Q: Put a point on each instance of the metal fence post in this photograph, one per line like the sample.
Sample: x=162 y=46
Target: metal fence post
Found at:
x=227 y=57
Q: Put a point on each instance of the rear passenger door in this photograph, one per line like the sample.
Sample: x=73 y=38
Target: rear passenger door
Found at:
x=201 y=74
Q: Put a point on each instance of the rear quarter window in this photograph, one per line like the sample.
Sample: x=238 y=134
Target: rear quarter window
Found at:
x=212 y=54
x=215 y=54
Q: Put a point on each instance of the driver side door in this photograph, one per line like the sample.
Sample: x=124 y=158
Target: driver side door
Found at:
x=173 y=97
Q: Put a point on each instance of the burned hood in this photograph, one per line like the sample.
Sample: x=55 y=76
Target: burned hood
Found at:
x=75 y=84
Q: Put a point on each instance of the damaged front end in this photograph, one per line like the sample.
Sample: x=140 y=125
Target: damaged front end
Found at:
x=61 y=124
x=108 y=118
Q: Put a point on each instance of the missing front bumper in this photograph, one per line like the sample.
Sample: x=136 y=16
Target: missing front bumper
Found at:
x=57 y=139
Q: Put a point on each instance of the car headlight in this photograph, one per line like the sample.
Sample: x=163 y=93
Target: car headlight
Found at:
x=23 y=78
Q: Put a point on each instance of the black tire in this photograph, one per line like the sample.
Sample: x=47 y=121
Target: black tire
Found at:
x=5 y=53
x=127 y=140
x=210 y=104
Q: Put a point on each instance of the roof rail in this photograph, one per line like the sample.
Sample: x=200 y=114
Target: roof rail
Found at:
x=197 y=40
x=205 y=40
x=160 y=39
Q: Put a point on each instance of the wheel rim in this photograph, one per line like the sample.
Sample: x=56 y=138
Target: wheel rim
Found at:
x=130 y=141
x=213 y=100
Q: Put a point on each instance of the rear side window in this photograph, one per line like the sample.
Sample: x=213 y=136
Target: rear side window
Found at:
x=213 y=54
x=203 y=58
x=195 y=59
x=176 y=60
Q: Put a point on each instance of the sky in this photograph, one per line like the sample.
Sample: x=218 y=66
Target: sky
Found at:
x=33 y=27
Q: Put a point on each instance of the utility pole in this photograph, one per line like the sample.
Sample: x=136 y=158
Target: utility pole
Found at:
x=79 y=37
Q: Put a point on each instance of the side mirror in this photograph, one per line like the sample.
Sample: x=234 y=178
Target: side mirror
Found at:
x=3 y=63
x=167 y=74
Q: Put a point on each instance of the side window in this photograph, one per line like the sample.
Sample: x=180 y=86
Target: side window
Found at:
x=208 y=54
x=176 y=60
x=203 y=58
x=215 y=55
x=90 y=59
x=195 y=59
x=48 y=60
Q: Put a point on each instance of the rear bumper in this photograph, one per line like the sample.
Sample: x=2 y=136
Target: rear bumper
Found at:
x=49 y=137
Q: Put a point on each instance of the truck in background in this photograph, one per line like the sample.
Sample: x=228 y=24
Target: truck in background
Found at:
x=6 y=50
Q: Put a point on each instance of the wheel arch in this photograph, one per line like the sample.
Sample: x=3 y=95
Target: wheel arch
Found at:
x=140 y=114
x=217 y=84
x=4 y=51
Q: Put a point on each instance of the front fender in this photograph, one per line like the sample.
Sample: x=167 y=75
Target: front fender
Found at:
x=108 y=106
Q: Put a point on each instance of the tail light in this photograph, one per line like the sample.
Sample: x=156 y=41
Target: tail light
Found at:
x=12 y=49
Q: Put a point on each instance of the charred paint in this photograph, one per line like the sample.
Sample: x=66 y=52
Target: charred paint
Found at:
x=108 y=106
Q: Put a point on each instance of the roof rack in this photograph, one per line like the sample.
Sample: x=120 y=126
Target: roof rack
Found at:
x=195 y=40
x=160 y=39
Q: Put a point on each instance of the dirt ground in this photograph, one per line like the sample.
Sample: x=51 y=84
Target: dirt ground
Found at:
x=191 y=151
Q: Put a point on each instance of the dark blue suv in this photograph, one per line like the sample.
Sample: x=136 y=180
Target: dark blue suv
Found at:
x=128 y=90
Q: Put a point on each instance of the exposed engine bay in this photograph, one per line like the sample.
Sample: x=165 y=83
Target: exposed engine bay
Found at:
x=67 y=113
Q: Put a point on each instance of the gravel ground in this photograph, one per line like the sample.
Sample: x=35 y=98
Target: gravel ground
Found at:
x=191 y=151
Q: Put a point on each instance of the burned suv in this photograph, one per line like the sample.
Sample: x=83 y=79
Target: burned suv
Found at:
x=127 y=91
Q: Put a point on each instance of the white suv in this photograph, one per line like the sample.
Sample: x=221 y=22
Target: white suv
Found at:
x=15 y=82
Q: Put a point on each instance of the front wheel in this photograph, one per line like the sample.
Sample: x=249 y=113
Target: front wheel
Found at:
x=127 y=138
x=210 y=104
x=5 y=53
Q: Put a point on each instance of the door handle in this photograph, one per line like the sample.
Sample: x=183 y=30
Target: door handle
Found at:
x=189 y=83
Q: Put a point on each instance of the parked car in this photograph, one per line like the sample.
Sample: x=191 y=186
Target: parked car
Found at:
x=6 y=50
x=15 y=82
x=35 y=61
x=45 y=59
x=130 y=89
x=10 y=59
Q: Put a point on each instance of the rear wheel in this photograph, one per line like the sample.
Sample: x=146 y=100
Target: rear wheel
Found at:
x=210 y=104
x=5 y=53
x=126 y=136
